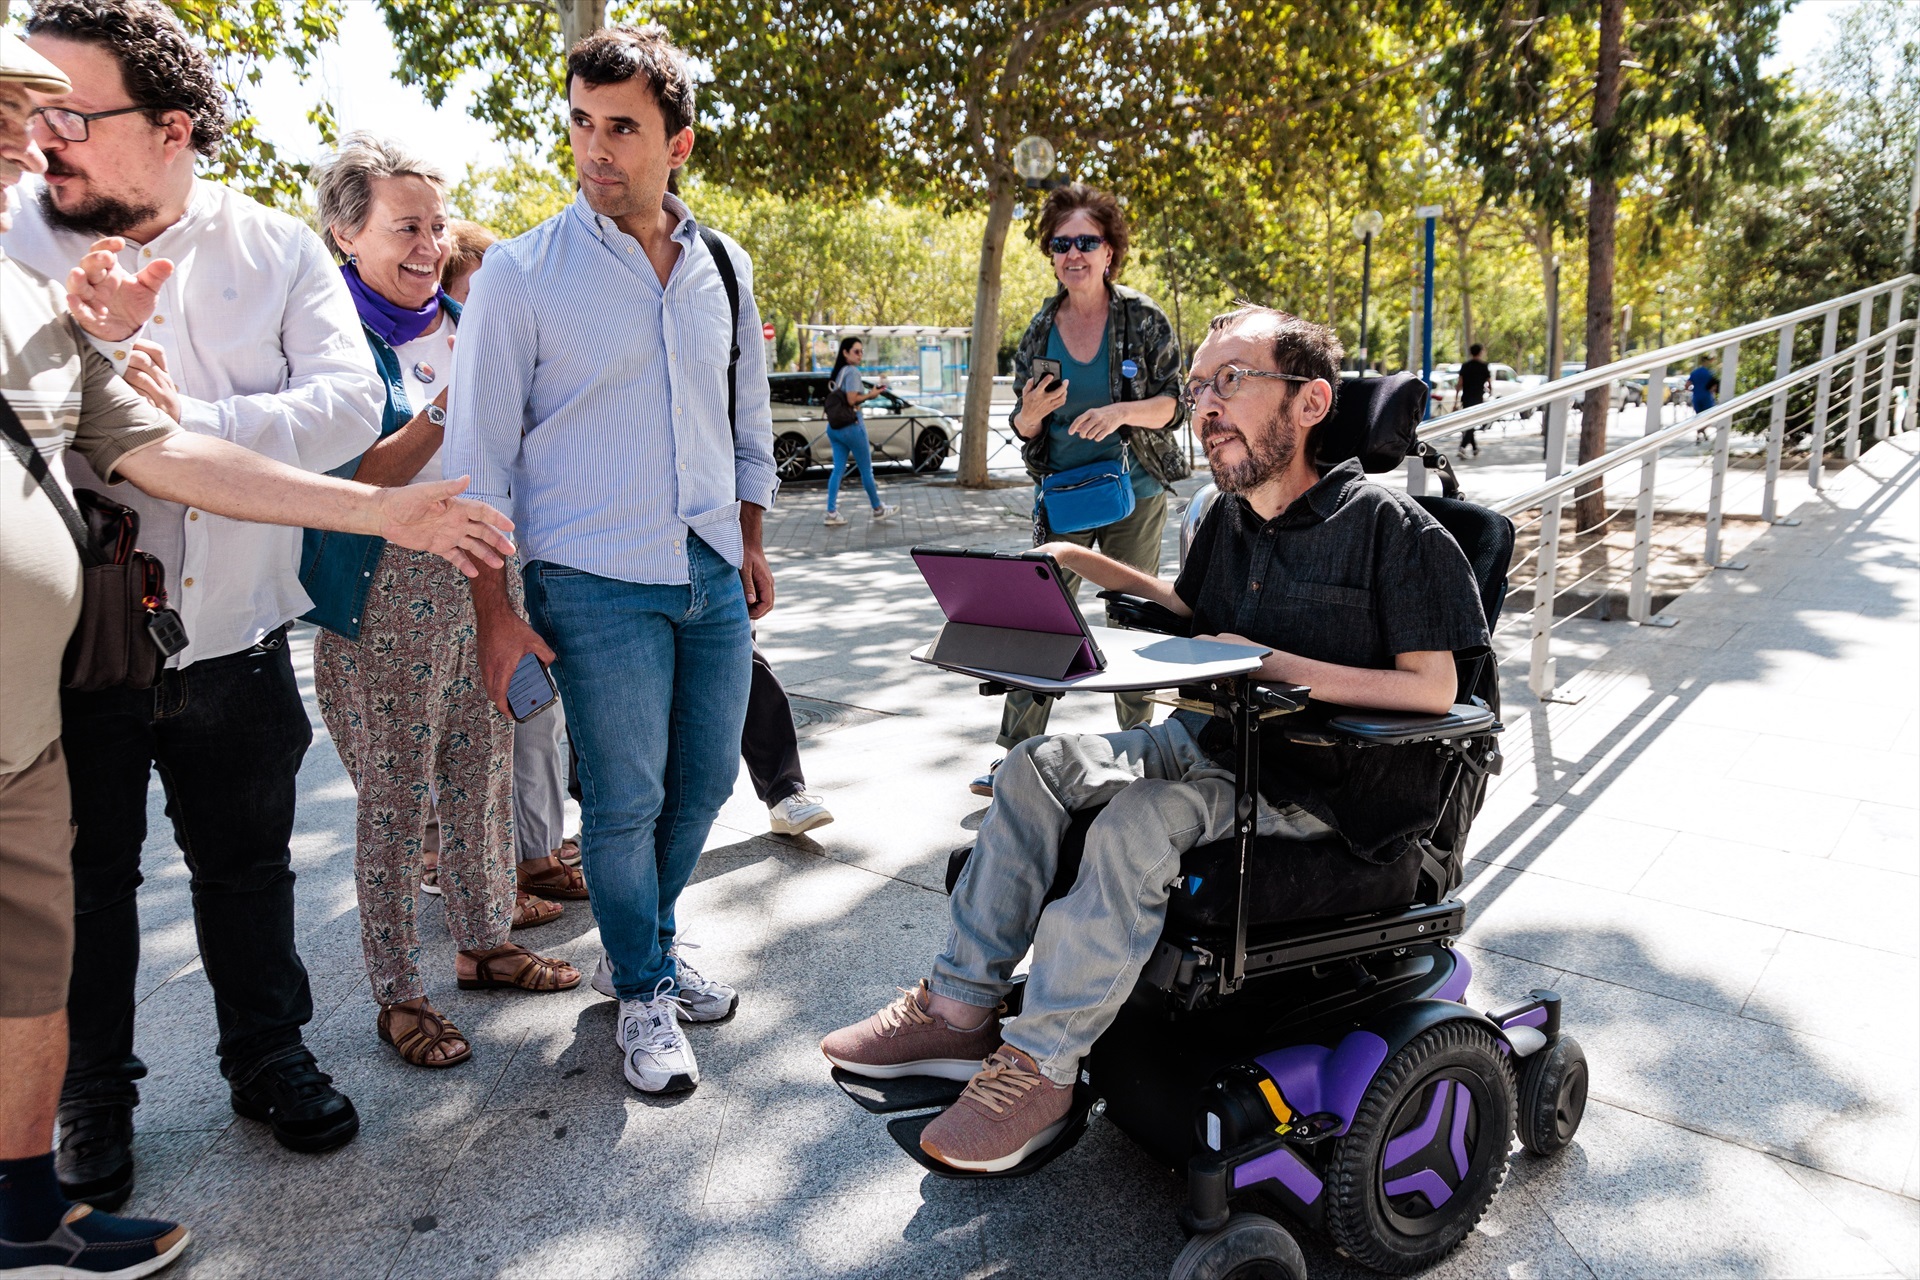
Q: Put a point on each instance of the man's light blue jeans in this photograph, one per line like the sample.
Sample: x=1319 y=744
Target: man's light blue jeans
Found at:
x=655 y=683
x=1163 y=796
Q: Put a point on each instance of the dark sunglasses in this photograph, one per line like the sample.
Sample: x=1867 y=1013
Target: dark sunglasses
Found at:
x=1085 y=244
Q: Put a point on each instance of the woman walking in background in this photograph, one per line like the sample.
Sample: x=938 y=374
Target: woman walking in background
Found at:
x=396 y=668
x=849 y=440
x=1097 y=381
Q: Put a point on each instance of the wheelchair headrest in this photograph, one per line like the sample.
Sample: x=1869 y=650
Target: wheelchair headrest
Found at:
x=1373 y=419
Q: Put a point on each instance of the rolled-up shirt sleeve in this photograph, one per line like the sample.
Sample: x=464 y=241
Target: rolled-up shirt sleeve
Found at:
x=755 y=478
x=115 y=420
x=493 y=366
x=329 y=411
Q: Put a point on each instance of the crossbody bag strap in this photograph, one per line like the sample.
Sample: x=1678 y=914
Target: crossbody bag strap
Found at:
x=723 y=263
x=36 y=465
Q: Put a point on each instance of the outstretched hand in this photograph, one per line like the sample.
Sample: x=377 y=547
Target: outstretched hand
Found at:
x=105 y=299
x=432 y=517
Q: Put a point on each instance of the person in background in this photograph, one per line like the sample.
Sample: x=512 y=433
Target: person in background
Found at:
x=850 y=442
x=396 y=667
x=471 y=241
x=1703 y=382
x=1475 y=378
x=549 y=860
x=1120 y=382
x=59 y=392
x=772 y=752
x=251 y=339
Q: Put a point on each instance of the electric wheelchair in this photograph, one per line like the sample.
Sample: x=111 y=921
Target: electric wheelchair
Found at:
x=1298 y=1042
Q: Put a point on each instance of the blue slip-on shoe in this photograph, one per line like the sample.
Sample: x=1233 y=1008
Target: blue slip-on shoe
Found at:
x=88 y=1245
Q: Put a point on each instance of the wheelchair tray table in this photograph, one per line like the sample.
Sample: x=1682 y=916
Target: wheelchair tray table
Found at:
x=1136 y=660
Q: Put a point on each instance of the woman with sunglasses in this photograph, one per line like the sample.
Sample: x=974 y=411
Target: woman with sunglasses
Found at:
x=1115 y=401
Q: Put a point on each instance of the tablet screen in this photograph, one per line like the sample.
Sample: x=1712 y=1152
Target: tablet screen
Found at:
x=997 y=589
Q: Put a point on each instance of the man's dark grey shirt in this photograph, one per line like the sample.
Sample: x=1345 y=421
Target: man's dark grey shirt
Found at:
x=1352 y=573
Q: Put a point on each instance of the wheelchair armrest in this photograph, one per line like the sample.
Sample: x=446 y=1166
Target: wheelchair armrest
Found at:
x=1136 y=613
x=1396 y=728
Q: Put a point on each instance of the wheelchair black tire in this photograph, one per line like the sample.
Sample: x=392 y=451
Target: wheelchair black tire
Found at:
x=1249 y=1247
x=1362 y=1216
x=1553 y=1096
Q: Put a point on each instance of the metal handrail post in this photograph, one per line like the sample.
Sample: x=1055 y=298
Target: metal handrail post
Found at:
x=1857 y=393
x=1822 y=400
x=1722 y=444
x=1638 y=603
x=1883 y=407
x=1546 y=559
x=1913 y=380
x=1777 y=431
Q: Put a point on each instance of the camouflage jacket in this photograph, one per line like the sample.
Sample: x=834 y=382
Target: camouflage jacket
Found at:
x=1140 y=340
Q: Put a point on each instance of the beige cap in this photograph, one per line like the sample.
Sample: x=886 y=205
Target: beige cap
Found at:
x=19 y=64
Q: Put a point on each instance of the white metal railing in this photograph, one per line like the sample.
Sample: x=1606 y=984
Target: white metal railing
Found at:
x=1871 y=408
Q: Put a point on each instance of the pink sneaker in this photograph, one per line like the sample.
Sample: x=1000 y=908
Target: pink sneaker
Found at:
x=904 y=1039
x=1008 y=1112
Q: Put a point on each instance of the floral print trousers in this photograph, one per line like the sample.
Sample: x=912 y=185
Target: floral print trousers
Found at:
x=409 y=714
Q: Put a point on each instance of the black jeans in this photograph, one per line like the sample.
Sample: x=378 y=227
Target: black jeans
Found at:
x=768 y=743
x=227 y=736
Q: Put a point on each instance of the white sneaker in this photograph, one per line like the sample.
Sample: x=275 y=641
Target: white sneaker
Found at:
x=658 y=1058
x=881 y=513
x=834 y=519
x=701 y=999
x=798 y=813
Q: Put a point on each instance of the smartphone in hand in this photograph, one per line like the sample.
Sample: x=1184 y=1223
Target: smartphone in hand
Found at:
x=531 y=689
x=1043 y=369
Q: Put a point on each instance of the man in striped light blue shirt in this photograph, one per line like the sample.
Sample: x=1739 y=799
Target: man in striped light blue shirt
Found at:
x=591 y=383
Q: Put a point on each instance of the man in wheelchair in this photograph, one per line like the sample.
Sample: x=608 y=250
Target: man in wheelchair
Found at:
x=1360 y=594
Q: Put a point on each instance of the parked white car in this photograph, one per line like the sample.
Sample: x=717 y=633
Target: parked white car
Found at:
x=1446 y=388
x=897 y=429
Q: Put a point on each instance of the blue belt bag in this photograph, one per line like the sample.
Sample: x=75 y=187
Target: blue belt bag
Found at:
x=1087 y=497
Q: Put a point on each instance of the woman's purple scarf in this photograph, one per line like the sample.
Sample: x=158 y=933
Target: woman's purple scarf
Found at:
x=396 y=325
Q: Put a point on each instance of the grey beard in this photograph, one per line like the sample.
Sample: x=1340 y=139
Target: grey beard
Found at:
x=100 y=216
x=1266 y=457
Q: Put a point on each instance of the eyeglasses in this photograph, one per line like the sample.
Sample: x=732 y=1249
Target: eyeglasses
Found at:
x=1085 y=244
x=1226 y=382
x=73 y=126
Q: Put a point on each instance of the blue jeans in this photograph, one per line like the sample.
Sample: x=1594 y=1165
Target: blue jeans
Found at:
x=655 y=682
x=851 y=442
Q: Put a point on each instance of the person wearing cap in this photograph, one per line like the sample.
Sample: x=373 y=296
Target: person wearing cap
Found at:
x=58 y=392
x=252 y=338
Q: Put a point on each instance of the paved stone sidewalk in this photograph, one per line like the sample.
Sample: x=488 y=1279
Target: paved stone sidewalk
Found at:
x=1712 y=854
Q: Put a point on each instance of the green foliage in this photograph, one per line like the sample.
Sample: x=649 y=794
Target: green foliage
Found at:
x=511 y=198
x=243 y=37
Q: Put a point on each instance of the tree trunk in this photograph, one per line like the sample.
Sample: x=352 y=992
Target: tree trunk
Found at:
x=1542 y=237
x=1603 y=206
x=984 y=352
x=578 y=20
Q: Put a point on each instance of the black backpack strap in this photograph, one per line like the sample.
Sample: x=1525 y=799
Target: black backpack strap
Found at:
x=723 y=263
x=23 y=448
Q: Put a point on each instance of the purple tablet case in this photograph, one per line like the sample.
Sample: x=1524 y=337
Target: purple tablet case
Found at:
x=1006 y=613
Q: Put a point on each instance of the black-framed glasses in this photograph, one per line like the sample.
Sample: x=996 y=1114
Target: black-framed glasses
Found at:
x=74 y=126
x=1085 y=244
x=1226 y=382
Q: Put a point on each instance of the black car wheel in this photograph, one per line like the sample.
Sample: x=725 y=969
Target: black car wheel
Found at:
x=929 y=449
x=791 y=455
x=1426 y=1152
x=1249 y=1247
x=1553 y=1096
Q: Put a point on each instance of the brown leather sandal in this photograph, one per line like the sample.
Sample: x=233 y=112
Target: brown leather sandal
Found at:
x=429 y=1031
x=555 y=880
x=569 y=851
x=530 y=912
x=520 y=968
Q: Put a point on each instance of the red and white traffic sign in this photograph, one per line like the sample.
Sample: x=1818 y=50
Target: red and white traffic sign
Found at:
x=766 y=331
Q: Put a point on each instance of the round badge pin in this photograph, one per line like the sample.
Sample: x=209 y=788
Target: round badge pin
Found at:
x=423 y=372
x=1129 y=369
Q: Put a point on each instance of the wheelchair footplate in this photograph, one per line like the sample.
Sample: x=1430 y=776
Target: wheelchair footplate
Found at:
x=906 y=1093
x=906 y=1132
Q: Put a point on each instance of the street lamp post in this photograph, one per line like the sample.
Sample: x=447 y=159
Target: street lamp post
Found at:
x=1660 y=291
x=1366 y=226
x=1428 y=214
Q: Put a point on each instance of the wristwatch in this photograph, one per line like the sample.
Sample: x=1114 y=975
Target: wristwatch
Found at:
x=436 y=415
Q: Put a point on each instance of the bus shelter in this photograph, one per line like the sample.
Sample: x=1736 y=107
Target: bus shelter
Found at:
x=926 y=364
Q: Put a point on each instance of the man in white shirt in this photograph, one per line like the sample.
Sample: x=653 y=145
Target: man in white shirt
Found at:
x=253 y=339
